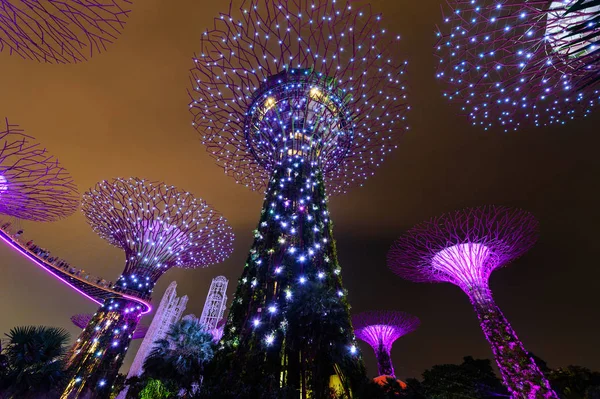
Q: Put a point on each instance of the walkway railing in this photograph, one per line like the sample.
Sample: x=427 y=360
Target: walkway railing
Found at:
x=93 y=290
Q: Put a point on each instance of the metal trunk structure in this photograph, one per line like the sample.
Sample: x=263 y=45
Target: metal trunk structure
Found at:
x=270 y=325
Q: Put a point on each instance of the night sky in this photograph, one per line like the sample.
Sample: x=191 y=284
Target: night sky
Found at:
x=124 y=113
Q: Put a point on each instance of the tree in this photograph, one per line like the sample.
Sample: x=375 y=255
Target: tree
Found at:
x=474 y=378
x=35 y=362
x=155 y=389
x=179 y=358
x=574 y=382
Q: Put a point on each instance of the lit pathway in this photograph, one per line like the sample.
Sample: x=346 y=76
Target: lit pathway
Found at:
x=95 y=292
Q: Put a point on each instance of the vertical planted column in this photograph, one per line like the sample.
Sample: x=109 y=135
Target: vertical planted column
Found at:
x=520 y=373
x=464 y=248
x=99 y=351
x=158 y=227
x=290 y=316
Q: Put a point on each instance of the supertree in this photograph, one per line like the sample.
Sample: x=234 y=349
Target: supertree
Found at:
x=158 y=227
x=60 y=31
x=464 y=248
x=289 y=96
x=510 y=63
x=82 y=320
x=33 y=185
x=380 y=330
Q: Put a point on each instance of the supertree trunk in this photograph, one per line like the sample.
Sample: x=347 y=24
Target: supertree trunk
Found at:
x=100 y=349
x=384 y=361
x=289 y=324
x=521 y=375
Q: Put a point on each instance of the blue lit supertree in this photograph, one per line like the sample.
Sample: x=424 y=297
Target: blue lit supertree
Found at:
x=158 y=227
x=510 y=63
x=303 y=99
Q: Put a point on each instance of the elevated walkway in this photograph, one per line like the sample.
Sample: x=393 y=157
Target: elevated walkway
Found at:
x=89 y=288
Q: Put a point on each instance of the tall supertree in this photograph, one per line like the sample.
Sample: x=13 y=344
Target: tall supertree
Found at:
x=291 y=96
x=33 y=185
x=380 y=330
x=82 y=321
x=158 y=227
x=60 y=31
x=464 y=248
x=512 y=63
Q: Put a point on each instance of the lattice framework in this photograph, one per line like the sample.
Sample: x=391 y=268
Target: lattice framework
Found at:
x=512 y=63
x=33 y=185
x=383 y=327
x=158 y=226
x=463 y=247
x=60 y=31
x=347 y=49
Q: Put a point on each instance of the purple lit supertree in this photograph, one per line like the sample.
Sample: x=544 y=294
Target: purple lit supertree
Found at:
x=158 y=227
x=380 y=330
x=82 y=321
x=60 y=31
x=288 y=96
x=33 y=185
x=513 y=62
x=464 y=248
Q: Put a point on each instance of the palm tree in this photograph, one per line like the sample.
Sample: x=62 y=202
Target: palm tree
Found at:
x=587 y=31
x=35 y=362
x=179 y=358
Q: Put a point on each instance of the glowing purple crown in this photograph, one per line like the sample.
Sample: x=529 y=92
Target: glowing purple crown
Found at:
x=157 y=224
x=59 y=31
x=288 y=79
x=512 y=63
x=463 y=247
x=383 y=327
x=33 y=185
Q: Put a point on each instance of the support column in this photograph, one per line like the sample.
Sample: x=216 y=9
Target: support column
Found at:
x=100 y=349
x=521 y=375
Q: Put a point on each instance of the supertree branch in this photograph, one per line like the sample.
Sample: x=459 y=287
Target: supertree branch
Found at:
x=464 y=248
x=157 y=226
x=515 y=63
x=319 y=80
x=33 y=185
x=381 y=329
x=60 y=31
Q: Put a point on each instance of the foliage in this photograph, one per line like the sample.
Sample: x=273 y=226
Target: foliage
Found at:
x=155 y=389
x=35 y=362
x=474 y=378
x=574 y=382
x=179 y=358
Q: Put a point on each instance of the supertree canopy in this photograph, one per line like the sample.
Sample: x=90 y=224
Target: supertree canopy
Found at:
x=464 y=248
x=60 y=31
x=380 y=330
x=511 y=63
x=158 y=227
x=33 y=185
x=82 y=320
x=288 y=96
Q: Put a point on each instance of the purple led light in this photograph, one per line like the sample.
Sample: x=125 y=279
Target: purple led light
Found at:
x=44 y=266
x=33 y=185
x=511 y=64
x=253 y=73
x=60 y=31
x=464 y=248
x=380 y=330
